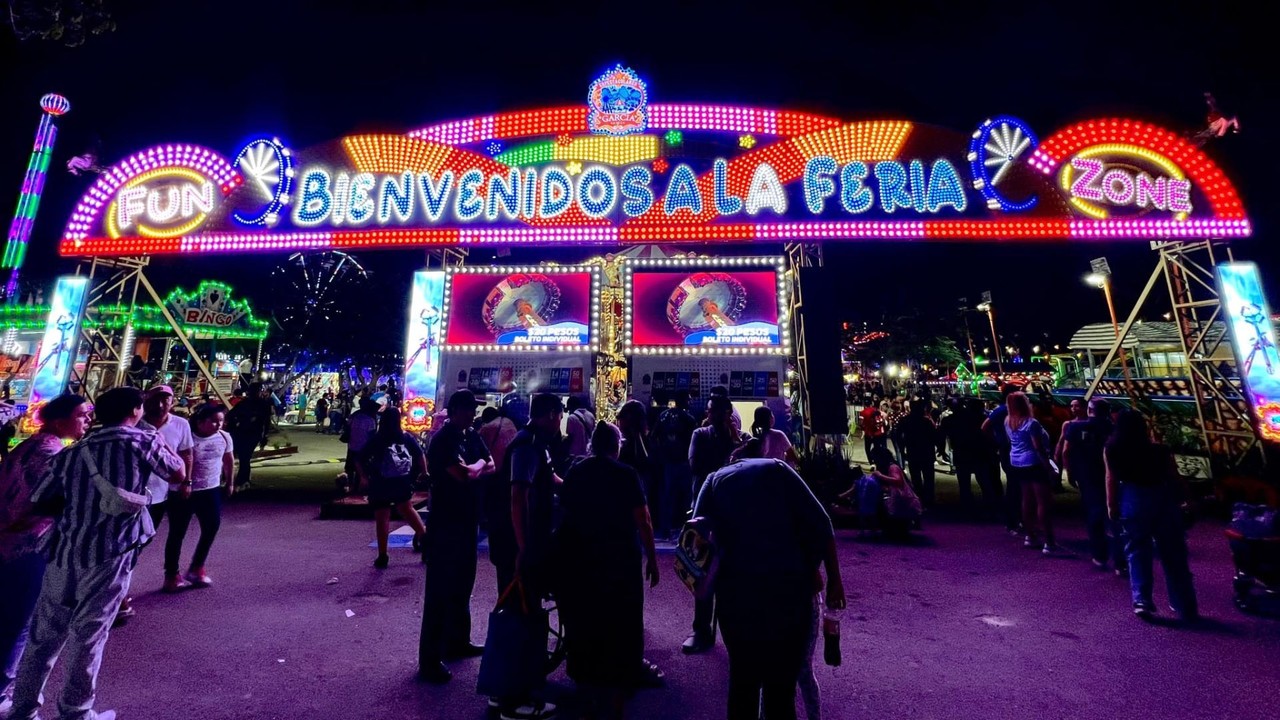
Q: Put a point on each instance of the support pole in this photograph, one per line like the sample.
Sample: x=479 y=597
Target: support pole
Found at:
x=182 y=337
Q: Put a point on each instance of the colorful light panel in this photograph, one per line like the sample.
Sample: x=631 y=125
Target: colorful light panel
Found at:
x=422 y=349
x=1253 y=338
x=61 y=339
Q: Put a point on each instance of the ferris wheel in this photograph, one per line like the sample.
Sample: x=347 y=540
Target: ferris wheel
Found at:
x=314 y=290
x=998 y=145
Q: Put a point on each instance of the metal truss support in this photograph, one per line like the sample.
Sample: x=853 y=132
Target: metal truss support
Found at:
x=1222 y=414
x=801 y=255
x=114 y=283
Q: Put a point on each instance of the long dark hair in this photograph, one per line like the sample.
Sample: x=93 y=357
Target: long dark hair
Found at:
x=1130 y=450
x=389 y=431
x=762 y=421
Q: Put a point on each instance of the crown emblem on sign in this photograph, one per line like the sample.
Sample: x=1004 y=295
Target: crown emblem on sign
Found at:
x=618 y=103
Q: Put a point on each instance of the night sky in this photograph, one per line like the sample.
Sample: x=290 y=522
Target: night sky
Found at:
x=220 y=73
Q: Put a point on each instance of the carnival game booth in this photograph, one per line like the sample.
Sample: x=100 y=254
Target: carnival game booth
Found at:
x=521 y=329
x=694 y=323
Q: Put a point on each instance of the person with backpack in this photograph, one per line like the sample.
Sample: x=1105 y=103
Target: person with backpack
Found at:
x=579 y=425
x=356 y=433
x=392 y=461
x=672 y=434
x=456 y=459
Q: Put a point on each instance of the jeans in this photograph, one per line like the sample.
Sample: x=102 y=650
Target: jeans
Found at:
x=869 y=443
x=922 y=477
x=244 y=447
x=1105 y=536
x=20 y=578
x=74 y=612
x=206 y=506
x=678 y=480
x=766 y=632
x=1150 y=518
x=446 y=606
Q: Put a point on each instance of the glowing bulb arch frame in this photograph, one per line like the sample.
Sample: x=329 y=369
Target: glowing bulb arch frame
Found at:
x=794 y=139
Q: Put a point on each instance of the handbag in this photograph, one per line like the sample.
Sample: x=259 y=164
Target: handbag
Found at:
x=515 y=648
x=697 y=561
x=113 y=500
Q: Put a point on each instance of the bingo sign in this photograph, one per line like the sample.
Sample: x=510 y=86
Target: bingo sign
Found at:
x=531 y=308
x=209 y=308
x=724 y=306
x=1253 y=336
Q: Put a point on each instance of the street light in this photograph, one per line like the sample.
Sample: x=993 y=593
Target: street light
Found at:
x=986 y=307
x=1101 y=278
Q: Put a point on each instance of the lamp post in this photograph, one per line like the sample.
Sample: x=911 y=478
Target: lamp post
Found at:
x=1100 y=277
x=986 y=307
x=964 y=313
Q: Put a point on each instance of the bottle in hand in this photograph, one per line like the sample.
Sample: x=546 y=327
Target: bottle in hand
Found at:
x=831 y=638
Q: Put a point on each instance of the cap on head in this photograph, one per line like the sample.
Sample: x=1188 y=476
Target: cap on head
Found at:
x=158 y=390
x=462 y=400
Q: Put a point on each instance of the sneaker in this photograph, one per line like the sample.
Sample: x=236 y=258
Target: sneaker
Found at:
x=199 y=578
x=1142 y=610
x=533 y=710
x=1098 y=564
x=1028 y=542
x=1051 y=548
x=696 y=643
x=381 y=562
x=175 y=584
x=494 y=703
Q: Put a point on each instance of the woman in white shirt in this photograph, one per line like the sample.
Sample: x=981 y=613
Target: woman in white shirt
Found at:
x=212 y=466
x=774 y=443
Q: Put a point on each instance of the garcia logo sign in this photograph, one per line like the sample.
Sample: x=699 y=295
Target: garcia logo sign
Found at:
x=618 y=103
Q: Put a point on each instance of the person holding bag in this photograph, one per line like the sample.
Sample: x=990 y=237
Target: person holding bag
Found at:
x=101 y=484
x=1032 y=470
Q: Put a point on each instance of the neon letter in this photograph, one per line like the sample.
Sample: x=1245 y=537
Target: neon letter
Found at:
x=1152 y=192
x=398 y=195
x=362 y=206
x=1124 y=195
x=1180 y=195
x=635 y=188
x=682 y=192
x=726 y=204
x=766 y=191
x=433 y=195
x=530 y=195
x=193 y=200
x=854 y=196
x=171 y=207
x=557 y=192
x=596 y=177
x=316 y=200
x=506 y=191
x=1089 y=171
x=892 y=178
x=918 y=188
x=945 y=188
x=341 y=197
x=817 y=186
x=469 y=204
x=129 y=203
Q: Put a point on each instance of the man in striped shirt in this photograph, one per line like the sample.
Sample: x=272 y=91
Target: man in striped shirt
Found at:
x=92 y=555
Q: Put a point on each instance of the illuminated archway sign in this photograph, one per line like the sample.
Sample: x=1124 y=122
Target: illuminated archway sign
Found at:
x=619 y=170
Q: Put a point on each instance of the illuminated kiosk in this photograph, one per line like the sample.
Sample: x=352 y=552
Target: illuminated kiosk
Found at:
x=691 y=324
x=524 y=329
x=621 y=170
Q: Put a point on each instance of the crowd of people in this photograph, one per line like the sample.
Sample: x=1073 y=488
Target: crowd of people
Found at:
x=1130 y=490
x=573 y=508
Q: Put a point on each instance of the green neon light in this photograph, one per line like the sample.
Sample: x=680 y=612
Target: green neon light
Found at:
x=533 y=153
x=674 y=137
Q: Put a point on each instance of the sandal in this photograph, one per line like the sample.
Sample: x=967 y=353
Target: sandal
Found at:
x=650 y=675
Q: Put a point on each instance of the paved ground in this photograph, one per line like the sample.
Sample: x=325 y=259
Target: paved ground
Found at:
x=966 y=623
